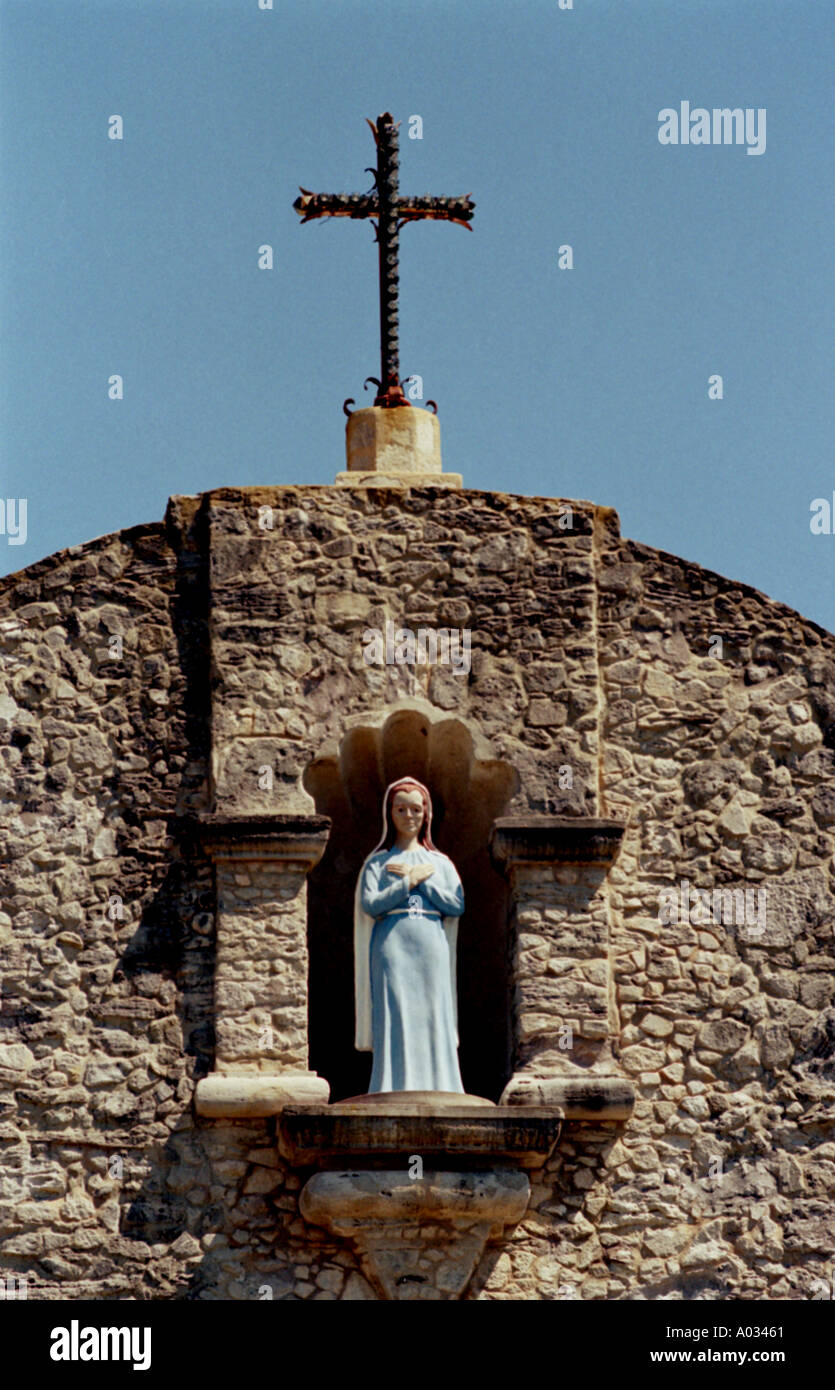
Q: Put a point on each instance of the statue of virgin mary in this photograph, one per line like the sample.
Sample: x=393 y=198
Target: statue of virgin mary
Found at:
x=408 y=902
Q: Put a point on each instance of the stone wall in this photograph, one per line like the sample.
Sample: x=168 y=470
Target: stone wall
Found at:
x=105 y=938
x=297 y=576
x=241 y=619
x=725 y=1178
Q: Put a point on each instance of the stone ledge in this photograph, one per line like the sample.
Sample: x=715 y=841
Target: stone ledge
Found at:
x=280 y=837
x=608 y=1099
x=532 y=840
x=413 y=1103
x=524 y=1138
x=225 y=1096
x=381 y=478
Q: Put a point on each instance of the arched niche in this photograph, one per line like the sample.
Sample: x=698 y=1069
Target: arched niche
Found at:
x=468 y=792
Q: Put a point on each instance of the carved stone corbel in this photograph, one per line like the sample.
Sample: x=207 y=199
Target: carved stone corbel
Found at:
x=434 y=1176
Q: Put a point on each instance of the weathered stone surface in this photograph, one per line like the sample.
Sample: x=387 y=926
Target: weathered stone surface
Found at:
x=244 y=1097
x=341 y=1199
x=724 y=1035
x=421 y=1238
x=498 y=1135
x=405 y=440
x=579 y=1098
x=594 y=693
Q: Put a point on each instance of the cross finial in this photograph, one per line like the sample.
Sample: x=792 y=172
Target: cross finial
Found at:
x=391 y=210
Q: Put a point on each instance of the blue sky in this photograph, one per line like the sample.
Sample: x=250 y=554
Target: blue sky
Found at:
x=139 y=258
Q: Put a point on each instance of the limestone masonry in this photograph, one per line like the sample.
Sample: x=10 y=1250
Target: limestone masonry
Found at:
x=193 y=755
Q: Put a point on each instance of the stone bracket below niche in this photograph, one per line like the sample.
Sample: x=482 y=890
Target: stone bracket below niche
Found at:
x=419 y=1229
x=416 y=1239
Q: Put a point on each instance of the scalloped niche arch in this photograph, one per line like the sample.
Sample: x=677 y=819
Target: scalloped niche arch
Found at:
x=469 y=789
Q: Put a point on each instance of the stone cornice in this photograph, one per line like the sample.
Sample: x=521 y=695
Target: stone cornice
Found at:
x=533 y=840
x=297 y=838
x=508 y=1135
x=606 y=1099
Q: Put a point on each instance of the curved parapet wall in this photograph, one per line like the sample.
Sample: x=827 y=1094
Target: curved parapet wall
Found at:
x=215 y=664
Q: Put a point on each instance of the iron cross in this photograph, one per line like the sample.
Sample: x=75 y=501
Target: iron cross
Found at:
x=391 y=210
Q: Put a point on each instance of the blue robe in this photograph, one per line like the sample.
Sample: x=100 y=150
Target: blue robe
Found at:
x=413 y=1012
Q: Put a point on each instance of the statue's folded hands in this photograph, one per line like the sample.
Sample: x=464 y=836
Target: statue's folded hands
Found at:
x=379 y=899
x=446 y=894
x=415 y=873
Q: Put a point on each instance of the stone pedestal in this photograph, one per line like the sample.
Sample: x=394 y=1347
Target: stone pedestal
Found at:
x=432 y=1177
x=563 y=1000
x=261 y=867
x=394 y=447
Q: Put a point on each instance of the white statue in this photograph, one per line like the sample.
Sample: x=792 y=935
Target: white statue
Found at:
x=408 y=901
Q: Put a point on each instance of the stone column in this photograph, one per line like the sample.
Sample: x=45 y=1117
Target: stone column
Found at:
x=261 y=1004
x=563 y=1009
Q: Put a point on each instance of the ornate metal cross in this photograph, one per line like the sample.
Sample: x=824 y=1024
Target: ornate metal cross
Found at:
x=391 y=211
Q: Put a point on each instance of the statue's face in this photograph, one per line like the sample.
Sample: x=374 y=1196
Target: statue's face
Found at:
x=407 y=812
